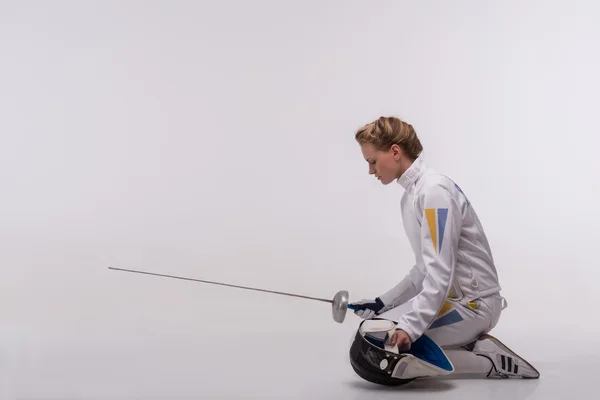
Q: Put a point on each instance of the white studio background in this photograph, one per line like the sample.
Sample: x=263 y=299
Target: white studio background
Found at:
x=214 y=140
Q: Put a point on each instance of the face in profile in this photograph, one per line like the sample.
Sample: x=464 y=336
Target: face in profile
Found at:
x=386 y=166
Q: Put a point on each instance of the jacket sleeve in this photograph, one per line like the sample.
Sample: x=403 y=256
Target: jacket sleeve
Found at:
x=405 y=290
x=440 y=232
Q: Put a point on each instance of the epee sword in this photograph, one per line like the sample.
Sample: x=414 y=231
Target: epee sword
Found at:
x=339 y=301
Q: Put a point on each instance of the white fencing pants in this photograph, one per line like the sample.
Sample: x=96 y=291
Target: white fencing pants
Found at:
x=457 y=324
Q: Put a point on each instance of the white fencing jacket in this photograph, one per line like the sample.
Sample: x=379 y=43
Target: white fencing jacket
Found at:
x=453 y=258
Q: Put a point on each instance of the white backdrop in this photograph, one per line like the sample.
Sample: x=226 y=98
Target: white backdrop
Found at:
x=214 y=140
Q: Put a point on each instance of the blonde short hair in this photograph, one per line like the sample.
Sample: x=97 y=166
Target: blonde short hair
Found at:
x=387 y=131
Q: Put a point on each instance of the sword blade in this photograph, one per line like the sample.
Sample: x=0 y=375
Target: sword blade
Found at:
x=223 y=284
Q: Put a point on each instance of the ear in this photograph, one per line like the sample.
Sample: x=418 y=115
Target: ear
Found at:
x=396 y=151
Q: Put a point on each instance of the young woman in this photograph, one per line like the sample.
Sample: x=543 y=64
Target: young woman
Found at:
x=452 y=292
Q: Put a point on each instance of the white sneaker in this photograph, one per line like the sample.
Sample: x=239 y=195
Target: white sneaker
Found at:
x=506 y=363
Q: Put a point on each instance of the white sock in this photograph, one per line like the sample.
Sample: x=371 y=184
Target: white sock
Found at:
x=467 y=362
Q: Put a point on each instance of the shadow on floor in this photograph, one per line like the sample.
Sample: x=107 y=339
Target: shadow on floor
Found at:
x=425 y=386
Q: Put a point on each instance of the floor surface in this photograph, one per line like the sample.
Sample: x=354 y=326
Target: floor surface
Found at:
x=232 y=359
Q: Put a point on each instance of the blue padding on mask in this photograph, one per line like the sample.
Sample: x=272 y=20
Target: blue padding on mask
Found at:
x=427 y=350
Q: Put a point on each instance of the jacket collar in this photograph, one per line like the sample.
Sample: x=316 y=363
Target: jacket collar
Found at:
x=413 y=173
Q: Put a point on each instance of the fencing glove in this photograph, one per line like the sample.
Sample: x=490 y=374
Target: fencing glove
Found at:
x=367 y=309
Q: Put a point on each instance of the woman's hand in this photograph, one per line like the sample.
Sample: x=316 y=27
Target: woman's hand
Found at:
x=401 y=339
x=367 y=309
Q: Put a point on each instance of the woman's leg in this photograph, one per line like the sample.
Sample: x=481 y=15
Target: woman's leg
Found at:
x=461 y=330
x=458 y=325
x=466 y=362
